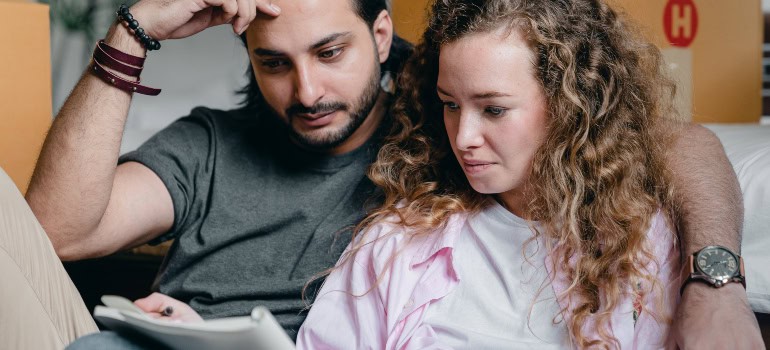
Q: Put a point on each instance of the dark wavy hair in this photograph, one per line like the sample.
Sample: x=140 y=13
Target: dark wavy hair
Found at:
x=601 y=165
x=368 y=10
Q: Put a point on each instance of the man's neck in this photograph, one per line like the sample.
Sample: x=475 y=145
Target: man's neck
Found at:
x=367 y=128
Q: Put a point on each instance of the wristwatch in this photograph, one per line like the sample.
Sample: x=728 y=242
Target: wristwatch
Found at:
x=714 y=265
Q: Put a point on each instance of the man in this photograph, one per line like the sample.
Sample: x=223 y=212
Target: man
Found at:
x=255 y=198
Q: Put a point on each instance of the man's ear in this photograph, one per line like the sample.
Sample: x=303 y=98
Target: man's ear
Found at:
x=382 y=30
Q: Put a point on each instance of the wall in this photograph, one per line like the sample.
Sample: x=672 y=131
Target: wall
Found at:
x=725 y=53
x=719 y=71
x=203 y=70
x=206 y=68
x=25 y=87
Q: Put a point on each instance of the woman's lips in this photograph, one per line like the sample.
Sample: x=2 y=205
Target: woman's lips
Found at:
x=476 y=167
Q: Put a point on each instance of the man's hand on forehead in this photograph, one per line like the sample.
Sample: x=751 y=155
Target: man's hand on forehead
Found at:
x=176 y=19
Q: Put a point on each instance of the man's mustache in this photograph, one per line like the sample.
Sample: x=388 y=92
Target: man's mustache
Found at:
x=318 y=108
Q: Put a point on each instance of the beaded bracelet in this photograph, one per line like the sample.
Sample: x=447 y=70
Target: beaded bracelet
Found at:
x=124 y=15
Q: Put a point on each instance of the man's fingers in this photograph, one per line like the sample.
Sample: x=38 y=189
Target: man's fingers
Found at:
x=239 y=13
x=254 y=7
x=152 y=303
x=254 y=12
x=243 y=18
x=268 y=7
x=225 y=10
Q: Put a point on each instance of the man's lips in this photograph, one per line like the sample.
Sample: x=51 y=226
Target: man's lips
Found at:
x=316 y=119
x=313 y=116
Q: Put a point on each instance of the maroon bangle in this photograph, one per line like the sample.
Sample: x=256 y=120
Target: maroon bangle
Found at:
x=108 y=61
x=121 y=83
x=121 y=56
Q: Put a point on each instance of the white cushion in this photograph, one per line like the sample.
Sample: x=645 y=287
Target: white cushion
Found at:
x=748 y=148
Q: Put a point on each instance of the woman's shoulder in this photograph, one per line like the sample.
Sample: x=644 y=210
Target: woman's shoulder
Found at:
x=662 y=230
x=663 y=244
x=390 y=237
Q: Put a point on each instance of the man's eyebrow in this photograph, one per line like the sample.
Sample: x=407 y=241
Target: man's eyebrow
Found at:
x=329 y=38
x=267 y=52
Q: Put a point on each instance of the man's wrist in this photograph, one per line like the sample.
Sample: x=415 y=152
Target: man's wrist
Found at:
x=700 y=290
x=120 y=38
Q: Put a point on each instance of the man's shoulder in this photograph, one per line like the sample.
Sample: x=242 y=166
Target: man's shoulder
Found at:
x=219 y=116
x=222 y=124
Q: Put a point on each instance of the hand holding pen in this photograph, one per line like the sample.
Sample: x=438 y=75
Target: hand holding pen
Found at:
x=161 y=306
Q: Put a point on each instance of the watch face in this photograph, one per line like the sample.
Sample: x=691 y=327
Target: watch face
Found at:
x=717 y=262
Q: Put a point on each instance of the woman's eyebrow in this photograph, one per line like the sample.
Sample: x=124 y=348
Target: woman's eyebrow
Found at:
x=478 y=96
x=490 y=94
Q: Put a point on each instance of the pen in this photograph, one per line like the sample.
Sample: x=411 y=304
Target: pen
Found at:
x=167 y=311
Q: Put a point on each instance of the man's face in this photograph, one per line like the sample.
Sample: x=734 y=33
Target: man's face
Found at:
x=317 y=66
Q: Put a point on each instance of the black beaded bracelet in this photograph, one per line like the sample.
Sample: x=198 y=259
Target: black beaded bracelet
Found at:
x=149 y=43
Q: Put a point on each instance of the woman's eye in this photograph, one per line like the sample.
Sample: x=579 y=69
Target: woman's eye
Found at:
x=496 y=111
x=451 y=106
x=328 y=54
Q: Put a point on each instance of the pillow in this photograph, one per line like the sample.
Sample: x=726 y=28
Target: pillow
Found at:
x=748 y=148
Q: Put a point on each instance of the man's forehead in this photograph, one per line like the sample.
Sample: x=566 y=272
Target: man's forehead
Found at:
x=303 y=23
x=311 y=6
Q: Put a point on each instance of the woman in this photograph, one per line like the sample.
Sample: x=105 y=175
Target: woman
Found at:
x=526 y=197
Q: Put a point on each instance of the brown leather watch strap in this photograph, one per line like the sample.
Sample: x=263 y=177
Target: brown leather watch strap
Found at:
x=686 y=272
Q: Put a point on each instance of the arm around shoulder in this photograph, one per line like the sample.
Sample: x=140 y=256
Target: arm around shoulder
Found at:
x=707 y=196
x=709 y=207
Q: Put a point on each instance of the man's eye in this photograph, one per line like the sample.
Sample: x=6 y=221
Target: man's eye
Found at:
x=329 y=54
x=273 y=64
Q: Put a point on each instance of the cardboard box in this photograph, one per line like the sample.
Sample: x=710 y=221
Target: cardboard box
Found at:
x=713 y=47
x=25 y=86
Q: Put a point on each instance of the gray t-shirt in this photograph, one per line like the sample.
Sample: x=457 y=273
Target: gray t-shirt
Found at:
x=255 y=217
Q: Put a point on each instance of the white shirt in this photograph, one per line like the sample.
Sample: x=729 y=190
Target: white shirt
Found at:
x=490 y=307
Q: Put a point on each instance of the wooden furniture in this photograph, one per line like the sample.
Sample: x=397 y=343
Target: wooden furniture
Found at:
x=25 y=87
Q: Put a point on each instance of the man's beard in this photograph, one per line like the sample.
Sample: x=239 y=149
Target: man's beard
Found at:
x=358 y=114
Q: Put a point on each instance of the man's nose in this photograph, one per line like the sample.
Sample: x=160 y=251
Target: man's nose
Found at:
x=308 y=87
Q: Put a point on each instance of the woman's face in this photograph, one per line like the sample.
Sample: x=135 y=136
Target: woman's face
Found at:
x=494 y=111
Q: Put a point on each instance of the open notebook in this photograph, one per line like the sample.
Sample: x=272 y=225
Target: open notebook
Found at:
x=255 y=332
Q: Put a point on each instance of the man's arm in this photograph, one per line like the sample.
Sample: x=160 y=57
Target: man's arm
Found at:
x=707 y=194
x=87 y=205
x=709 y=209
x=76 y=180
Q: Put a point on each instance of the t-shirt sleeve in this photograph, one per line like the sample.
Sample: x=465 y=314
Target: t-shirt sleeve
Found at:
x=182 y=155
